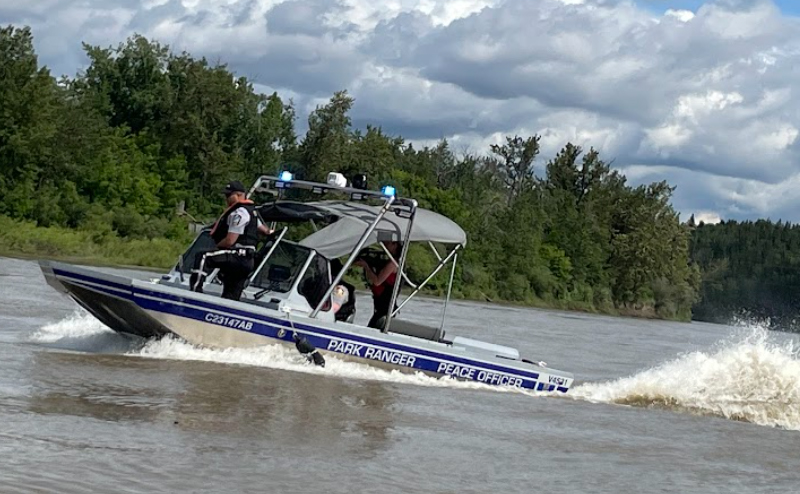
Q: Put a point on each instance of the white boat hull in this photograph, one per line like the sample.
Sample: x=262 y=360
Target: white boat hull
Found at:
x=154 y=310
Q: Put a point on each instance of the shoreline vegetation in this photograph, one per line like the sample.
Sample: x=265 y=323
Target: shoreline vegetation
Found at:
x=27 y=241
x=23 y=239
x=94 y=167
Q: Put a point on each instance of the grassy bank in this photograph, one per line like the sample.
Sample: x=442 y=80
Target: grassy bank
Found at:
x=25 y=239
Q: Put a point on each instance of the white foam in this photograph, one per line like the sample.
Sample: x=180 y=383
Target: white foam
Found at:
x=285 y=358
x=78 y=324
x=81 y=331
x=751 y=377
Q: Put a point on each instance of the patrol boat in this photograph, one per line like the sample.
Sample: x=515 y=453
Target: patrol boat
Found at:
x=287 y=299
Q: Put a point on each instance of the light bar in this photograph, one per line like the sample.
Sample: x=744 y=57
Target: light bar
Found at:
x=285 y=176
x=388 y=190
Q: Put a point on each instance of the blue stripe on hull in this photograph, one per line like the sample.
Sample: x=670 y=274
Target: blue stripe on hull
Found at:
x=323 y=338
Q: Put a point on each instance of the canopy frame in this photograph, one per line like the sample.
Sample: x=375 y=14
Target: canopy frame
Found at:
x=402 y=207
x=352 y=257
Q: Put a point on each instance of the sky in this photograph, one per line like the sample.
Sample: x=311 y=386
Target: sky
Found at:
x=701 y=94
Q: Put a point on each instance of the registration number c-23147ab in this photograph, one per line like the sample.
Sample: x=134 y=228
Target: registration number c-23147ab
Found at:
x=229 y=322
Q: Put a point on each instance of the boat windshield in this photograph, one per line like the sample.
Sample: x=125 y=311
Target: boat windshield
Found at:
x=280 y=271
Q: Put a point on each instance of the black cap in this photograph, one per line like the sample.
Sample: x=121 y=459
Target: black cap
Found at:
x=235 y=186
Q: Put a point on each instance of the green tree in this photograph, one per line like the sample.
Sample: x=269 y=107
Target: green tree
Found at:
x=513 y=163
x=29 y=103
x=328 y=142
x=114 y=149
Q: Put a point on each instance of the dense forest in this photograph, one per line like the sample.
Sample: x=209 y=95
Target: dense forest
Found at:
x=751 y=271
x=96 y=164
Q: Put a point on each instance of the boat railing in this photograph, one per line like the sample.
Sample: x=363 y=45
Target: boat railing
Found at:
x=263 y=262
x=354 y=254
x=402 y=265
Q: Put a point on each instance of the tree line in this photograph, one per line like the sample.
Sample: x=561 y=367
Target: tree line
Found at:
x=115 y=148
x=751 y=271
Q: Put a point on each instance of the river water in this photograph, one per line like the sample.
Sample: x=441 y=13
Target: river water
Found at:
x=657 y=407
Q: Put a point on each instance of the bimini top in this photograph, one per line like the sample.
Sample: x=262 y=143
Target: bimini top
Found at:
x=351 y=219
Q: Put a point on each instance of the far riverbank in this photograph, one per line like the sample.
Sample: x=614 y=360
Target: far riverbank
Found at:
x=25 y=240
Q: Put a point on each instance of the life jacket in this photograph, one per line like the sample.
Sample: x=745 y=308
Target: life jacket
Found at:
x=250 y=236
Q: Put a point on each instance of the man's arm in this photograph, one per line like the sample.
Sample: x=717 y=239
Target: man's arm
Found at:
x=263 y=229
x=237 y=222
x=228 y=241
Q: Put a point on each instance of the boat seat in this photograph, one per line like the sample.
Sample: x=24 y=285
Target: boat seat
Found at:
x=409 y=328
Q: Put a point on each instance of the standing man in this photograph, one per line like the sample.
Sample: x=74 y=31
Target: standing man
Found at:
x=236 y=235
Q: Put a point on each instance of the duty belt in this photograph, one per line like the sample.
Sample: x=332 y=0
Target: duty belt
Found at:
x=244 y=250
x=240 y=250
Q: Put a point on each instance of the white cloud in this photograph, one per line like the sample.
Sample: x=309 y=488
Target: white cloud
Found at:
x=729 y=23
x=705 y=98
x=668 y=136
x=693 y=106
x=681 y=15
x=725 y=197
x=778 y=140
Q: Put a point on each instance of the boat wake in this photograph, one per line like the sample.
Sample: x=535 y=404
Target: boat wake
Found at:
x=752 y=378
x=286 y=358
x=82 y=332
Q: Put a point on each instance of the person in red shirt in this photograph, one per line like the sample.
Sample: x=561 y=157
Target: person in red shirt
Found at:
x=381 y=279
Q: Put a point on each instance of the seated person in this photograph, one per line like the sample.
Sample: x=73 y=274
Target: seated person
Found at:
x=343 y=297
x=342 y=300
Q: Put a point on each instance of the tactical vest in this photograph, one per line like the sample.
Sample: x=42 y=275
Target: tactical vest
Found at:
x=250 y=235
